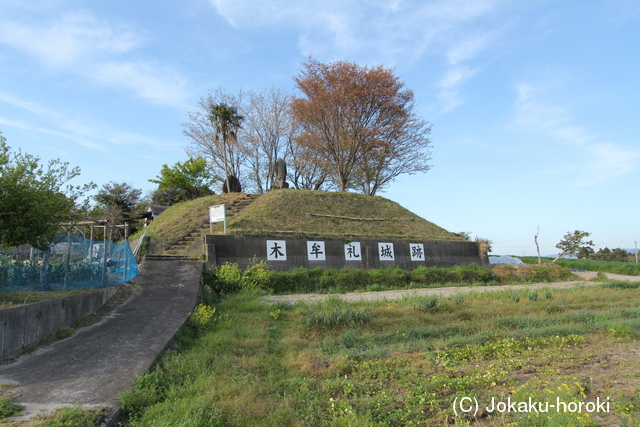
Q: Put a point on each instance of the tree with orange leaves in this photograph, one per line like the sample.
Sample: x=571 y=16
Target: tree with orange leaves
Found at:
x=359 y=123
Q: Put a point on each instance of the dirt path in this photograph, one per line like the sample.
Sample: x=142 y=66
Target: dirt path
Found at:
x=449 y=291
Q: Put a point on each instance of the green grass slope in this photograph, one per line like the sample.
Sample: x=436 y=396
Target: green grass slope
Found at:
x=183 y=218
x=287 y=212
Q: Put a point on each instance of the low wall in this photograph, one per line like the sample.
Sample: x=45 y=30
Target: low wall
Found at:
x=287 y=253
x=25 y=326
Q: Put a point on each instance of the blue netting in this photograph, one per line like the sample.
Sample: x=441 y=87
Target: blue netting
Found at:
x=74 y=263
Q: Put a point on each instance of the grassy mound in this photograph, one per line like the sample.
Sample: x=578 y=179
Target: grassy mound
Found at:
x=288 y=212
x=183 y=218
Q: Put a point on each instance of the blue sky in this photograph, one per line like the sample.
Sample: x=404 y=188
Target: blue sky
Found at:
x=534 y=104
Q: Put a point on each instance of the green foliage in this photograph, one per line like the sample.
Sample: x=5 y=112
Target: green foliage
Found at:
x=230 y=278
x=148 y=390
x=202 y=316
x=28 y=274
x=571 y=243
x=183 y=181
x=627 y=268
x=118 y=194
x=183 y=218
x=317 y=280
x=399 y=367
x=606 y=254
x=118 y=203
x=334 y=318
x=428 y=304
x=35 y=199
x=8 y=408
x=72 y=417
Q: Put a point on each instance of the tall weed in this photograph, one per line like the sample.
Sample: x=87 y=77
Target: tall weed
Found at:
x=230 y=278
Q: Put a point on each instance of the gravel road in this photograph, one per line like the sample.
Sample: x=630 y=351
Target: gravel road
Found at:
x=582 y=277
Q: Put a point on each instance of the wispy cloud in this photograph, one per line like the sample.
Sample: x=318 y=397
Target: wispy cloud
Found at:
x=451 y=84
x=595 y=159
x=68 y=127
x=159 y=84
x=382 y=31
x=74 y=38
x=470 y=46
x=405 y=28
x=97 y=50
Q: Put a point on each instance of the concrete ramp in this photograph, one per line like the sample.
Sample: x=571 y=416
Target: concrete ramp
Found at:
x=99 y=361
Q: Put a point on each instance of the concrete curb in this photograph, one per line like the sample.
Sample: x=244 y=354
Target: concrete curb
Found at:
x=23 y=327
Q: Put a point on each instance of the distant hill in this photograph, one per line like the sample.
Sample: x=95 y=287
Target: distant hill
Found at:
x=332 y=214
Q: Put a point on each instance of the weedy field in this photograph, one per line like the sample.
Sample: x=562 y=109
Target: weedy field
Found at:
x=627 y=268
x=243 y=362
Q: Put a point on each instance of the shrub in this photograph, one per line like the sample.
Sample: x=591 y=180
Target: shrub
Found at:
x=229 y=278
x=73 y=417
x=390 y=276
x=202 y=316
x=8 y=408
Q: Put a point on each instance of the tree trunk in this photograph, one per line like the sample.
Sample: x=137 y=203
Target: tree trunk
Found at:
x=559 y=256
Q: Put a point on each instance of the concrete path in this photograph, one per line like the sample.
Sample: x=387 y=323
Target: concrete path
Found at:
x=95 y=364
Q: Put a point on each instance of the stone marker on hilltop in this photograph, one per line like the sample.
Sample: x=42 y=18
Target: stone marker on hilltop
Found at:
x=234 y=185
x=281 y=175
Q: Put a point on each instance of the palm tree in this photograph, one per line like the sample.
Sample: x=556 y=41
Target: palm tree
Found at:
x=226 y=121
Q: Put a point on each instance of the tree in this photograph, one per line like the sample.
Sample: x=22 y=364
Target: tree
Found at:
x=223 y=158
x=226 y=121
x=36 y=199
x=572 y=242
x=116 y=203
x=359 y=124
x=183 y=181
x=268 y=131
x=606 y=254
x=585 y=252
x=535 y=239
x=118 y=194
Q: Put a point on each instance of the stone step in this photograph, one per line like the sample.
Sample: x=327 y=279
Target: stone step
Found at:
x=193 y=237
x=165 y=257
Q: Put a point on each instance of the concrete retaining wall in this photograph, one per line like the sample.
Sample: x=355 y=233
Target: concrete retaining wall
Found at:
x=292 y=252
x=24 y=327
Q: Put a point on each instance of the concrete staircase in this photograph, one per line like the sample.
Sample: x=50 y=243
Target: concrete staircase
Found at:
x=191 y=244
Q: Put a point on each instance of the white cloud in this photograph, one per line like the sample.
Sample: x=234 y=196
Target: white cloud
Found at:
x=470 y=47
x=75 y=37
x=406 y=28
x=97 y=50
x=594 y=160
x=148 y=80
x=451 y=84
x=68 y=127
x=381 y=31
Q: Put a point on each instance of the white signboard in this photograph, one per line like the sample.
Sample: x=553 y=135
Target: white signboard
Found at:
x=217 y=213
x=385 y=251
x=417 y=251
x=315 y=251
x=276 y=250
x=352 y=252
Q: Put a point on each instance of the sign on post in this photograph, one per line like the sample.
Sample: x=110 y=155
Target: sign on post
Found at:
x=217 y=213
